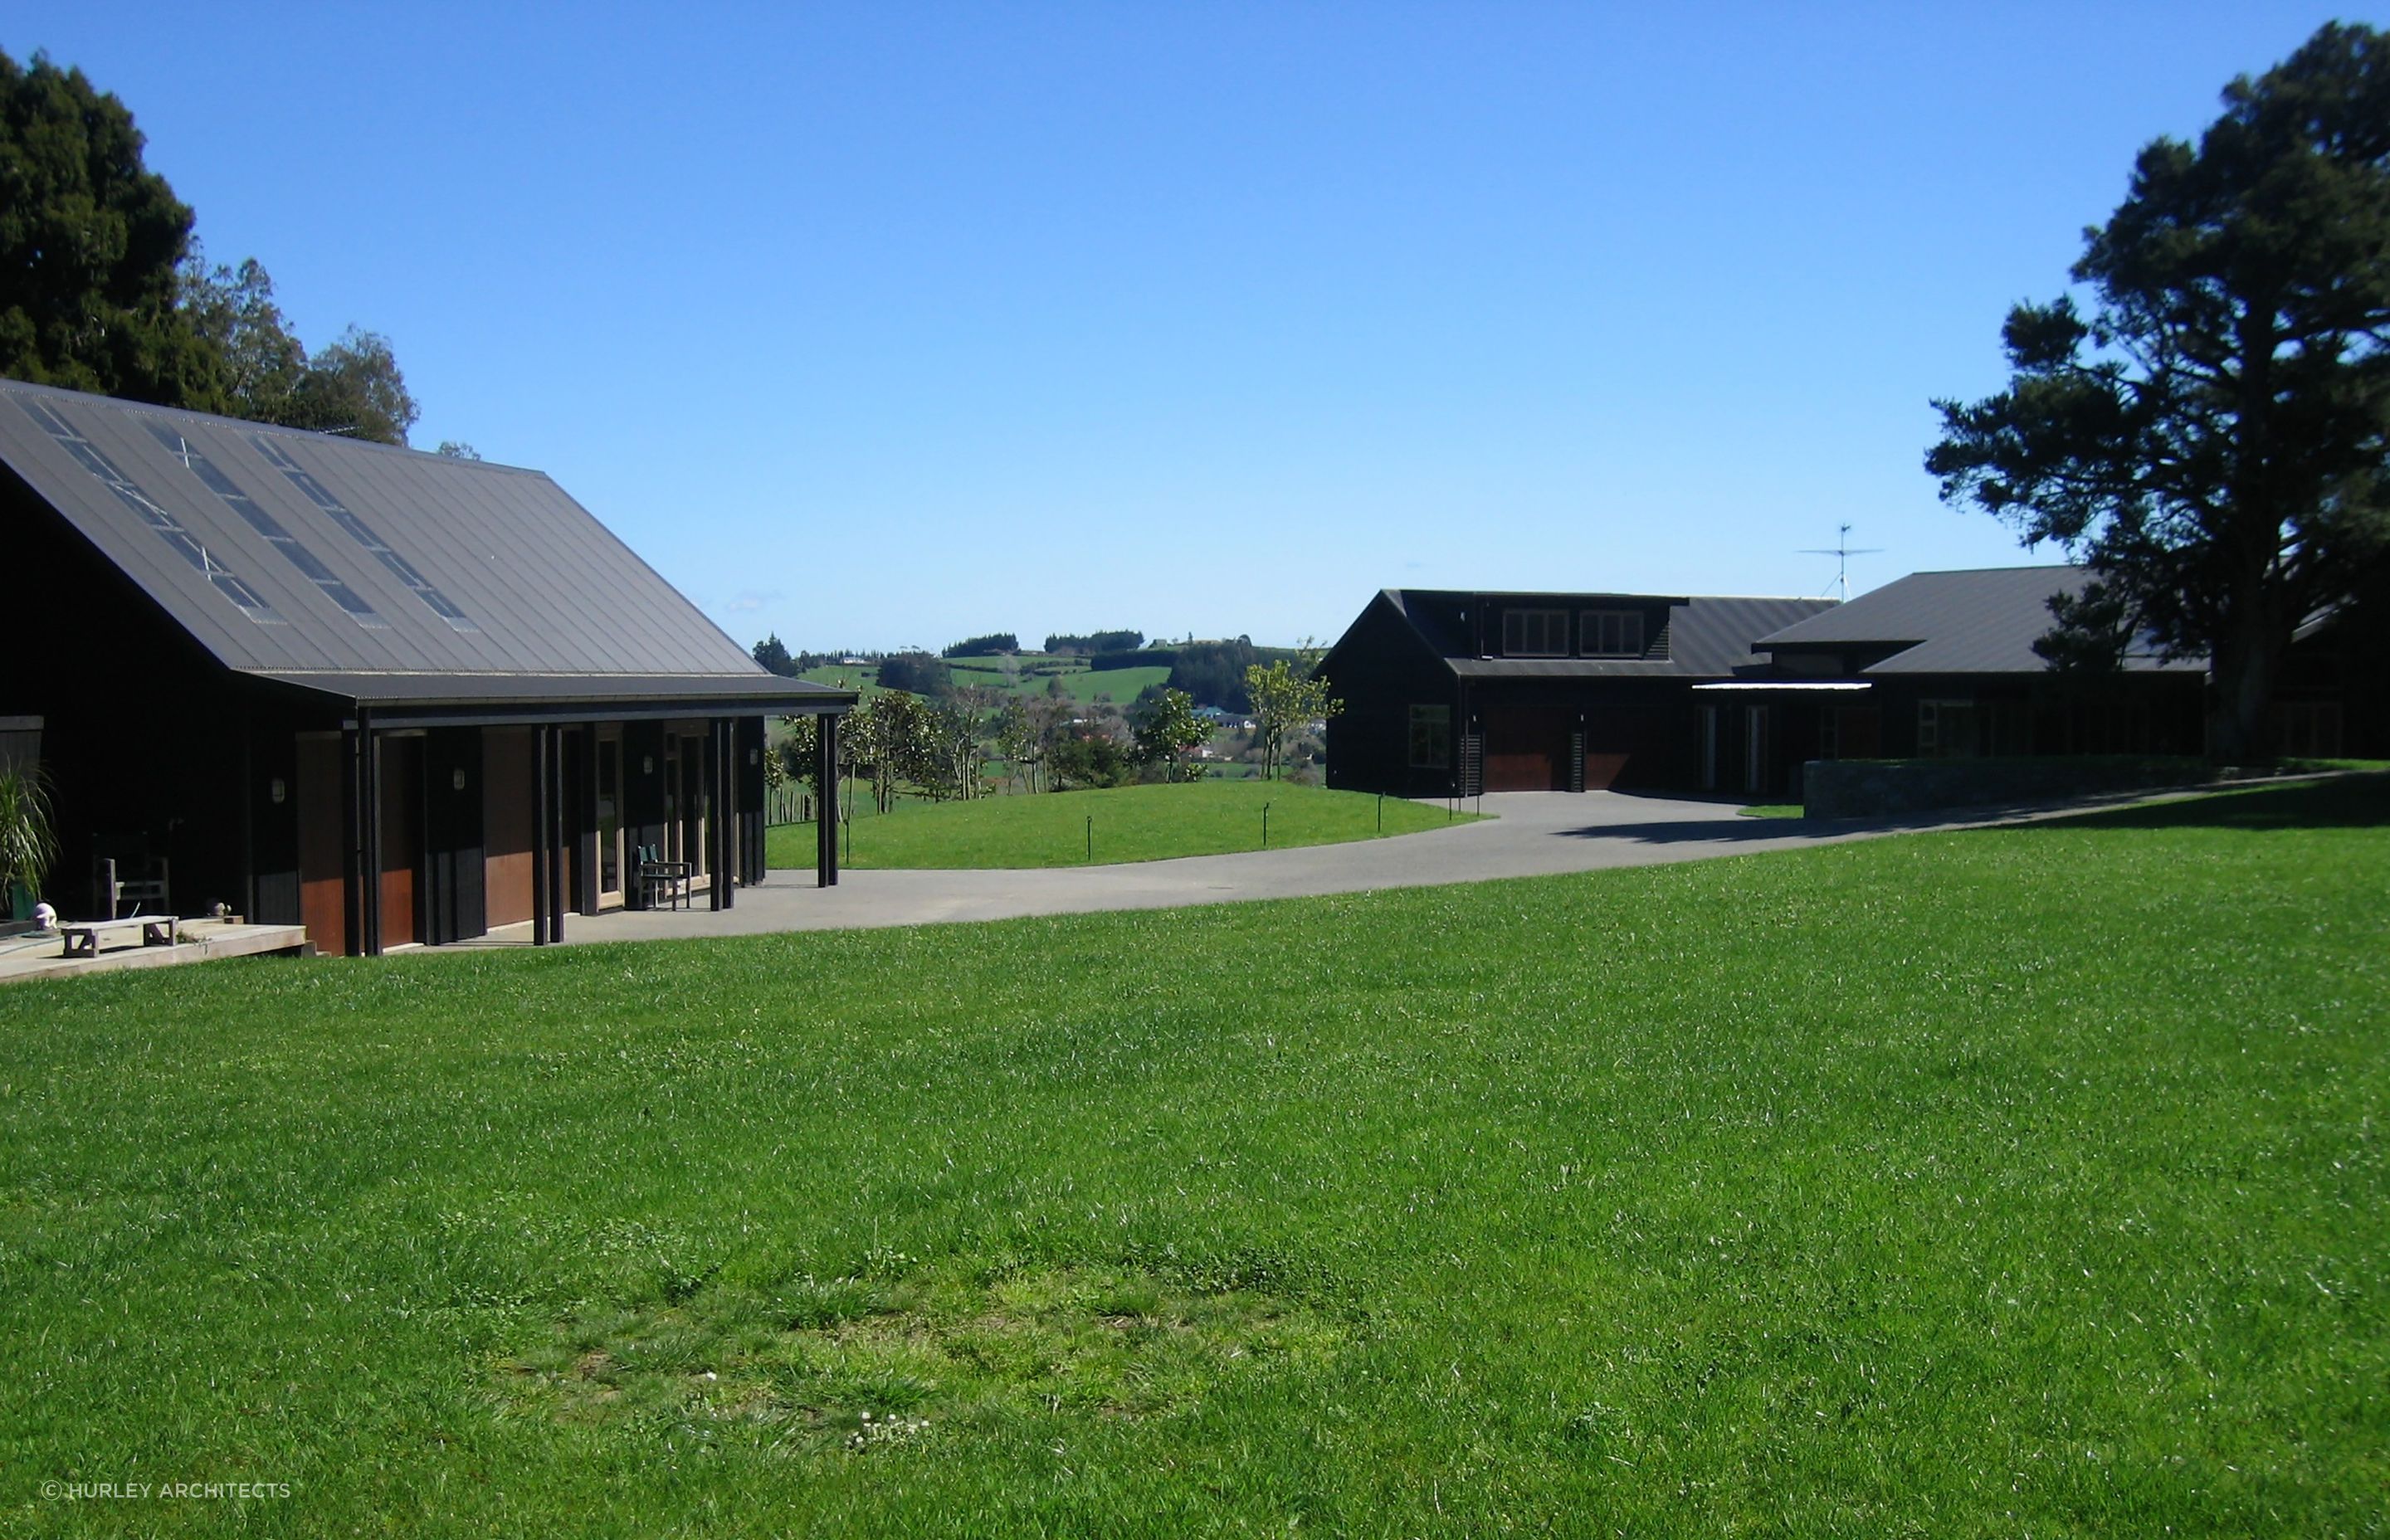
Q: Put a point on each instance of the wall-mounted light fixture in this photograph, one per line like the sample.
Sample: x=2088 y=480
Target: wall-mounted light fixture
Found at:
x=647 y=765
x=754 y=756
x=276 y=789
x=456 y=777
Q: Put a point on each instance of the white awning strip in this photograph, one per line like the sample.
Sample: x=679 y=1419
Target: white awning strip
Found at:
x=1786 y=684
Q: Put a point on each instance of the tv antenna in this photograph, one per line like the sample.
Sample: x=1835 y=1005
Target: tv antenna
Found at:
x=1842 y=551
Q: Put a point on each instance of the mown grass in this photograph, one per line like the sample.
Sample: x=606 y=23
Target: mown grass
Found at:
x=1132 y=823
x=1995 y=1183
x=1079 y=682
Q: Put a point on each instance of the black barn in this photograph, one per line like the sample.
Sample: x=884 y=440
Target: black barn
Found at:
x=1941 y=665
x=393 y=696
x=1449 y=693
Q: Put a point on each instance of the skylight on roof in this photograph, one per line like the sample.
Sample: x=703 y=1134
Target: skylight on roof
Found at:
x=438 y=602
x=166 y=525
x=266 y=524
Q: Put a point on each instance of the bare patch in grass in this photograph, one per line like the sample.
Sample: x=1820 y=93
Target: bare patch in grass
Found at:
x=865 y=1363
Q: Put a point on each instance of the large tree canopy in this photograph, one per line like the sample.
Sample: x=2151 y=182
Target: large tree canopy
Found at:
x=2211 y=441
x=103 y=289
x=259 y=363
x=353 y=387
x=89 y=240
x=264 y=374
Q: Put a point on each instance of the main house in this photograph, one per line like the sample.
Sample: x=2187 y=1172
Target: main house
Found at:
x=394 y=697
x=1942 y=665
x=1449 y=693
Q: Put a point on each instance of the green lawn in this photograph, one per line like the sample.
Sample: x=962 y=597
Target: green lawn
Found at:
x=863 y=678
x=1079 y=682
x=1132 y=823
x=2028 y=1182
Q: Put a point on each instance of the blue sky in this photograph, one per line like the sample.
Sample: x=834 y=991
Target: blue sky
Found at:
x=882 y=324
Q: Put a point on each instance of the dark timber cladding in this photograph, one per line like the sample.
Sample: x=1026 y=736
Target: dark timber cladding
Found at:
x=389 y=695
x=1449 y=693
x=1942 y=665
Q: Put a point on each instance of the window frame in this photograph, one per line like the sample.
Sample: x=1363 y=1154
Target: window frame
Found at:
x=1515 y=621
x=1936 y=712
x=1436 y=719
x=1591 y=625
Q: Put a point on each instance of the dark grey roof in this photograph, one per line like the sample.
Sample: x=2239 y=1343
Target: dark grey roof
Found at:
x=1713 y=635
x=1432 y=613
x=1709 y=636
x=769 y=692
x=1980 y=621
x=342 y=565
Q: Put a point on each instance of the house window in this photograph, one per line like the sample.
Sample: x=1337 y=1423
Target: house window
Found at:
x=1431 y=738
x=1534 y=633
x=2004 y=727
x=610 y=814
x=1946 y=729
x=1611 y=634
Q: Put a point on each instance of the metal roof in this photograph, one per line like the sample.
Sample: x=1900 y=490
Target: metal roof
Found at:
x=771 y=691
x=344 y=565
x=1709 y=636
x=1977 y=622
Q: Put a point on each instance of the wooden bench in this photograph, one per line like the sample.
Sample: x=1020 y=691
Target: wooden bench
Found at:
x=83 y=940
x=673 y=878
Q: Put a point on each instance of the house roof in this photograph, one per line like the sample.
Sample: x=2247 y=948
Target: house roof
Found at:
x=371 y=573
x=1984 y=621
x=1709 y=636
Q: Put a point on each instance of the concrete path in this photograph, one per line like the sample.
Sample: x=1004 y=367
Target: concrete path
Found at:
x=1534 y=833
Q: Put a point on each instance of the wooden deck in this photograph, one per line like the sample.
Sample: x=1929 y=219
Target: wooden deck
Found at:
x=30 y=956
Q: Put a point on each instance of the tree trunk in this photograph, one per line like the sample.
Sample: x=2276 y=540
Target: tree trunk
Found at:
x=2240 y=715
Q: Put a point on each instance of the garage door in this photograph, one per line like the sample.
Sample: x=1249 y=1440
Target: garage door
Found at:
x=1626 y=746
x=1527 y=748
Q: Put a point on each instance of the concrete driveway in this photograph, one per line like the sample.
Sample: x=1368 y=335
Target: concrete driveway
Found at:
x=1532 y=833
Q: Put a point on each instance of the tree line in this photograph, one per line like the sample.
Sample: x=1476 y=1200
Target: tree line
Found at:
x=1094 y=642
x=930 y=673
x=104 y=288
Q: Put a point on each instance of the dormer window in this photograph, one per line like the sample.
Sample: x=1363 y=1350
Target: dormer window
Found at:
x=1534 y=633
x=1611 y=633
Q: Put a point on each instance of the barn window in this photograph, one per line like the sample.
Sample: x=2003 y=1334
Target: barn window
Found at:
x=1431 y=738
x=1946 y=729
x=1611 y=633
x=1535 y=634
